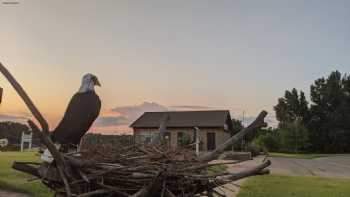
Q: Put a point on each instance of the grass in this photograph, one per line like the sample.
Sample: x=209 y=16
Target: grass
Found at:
x=217 y=169
x=292 y=186
x=12 y=180
x=300 y=155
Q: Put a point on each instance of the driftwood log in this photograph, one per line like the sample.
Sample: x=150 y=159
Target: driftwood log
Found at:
x=135 y=171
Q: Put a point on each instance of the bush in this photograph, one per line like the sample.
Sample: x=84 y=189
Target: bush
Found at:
x=184 y=140
x=294 y=137
x=268 y=140
x=254 y=149
x=10 y=147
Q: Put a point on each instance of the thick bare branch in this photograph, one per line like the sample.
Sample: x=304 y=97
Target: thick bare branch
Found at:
x=151 y=189
x=26 y=168
x=222 y=180
x=235 y=176
x=61 y=166
x=94 y=193
x=258 y=122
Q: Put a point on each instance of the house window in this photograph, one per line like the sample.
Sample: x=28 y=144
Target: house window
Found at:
x=146 y=136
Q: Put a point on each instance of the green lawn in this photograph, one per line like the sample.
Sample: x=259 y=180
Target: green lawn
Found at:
x=288 y=186
x=13 y=180
x=300 y=155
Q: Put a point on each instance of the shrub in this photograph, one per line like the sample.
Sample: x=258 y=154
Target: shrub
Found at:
x=294 y=137
x=254 y=149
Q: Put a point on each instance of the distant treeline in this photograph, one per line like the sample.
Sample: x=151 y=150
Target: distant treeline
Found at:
x=321 y=125
x=92 y=139
x=12 y=131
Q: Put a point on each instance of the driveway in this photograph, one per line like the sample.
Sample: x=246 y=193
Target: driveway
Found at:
x=335 y=166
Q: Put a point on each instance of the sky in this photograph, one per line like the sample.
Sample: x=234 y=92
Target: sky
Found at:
x=168 y=55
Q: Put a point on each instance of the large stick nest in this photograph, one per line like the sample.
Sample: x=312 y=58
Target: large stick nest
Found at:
x=137 y=171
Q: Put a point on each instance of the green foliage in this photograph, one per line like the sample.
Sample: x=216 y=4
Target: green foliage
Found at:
x=11 y=147
x=12 y=131
x=326 y=120
x=292 y=186
x=184 y=140
x=237 y=126
x=294 y=137
x=254 y=149
x=291 y=107
x=330 y=111
x=268 y=139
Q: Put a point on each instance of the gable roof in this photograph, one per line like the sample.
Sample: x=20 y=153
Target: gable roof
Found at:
x=217 y=118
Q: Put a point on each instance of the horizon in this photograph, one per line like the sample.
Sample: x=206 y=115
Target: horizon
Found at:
x=230 y=55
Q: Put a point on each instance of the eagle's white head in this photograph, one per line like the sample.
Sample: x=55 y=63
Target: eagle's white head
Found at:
x=88 y=83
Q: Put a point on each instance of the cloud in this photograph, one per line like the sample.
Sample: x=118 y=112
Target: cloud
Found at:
x=134 y=111
x=119 y=118
x=192 y=107
x=6 y=117
x=107 y=121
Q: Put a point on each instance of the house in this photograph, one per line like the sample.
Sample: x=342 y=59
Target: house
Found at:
x=215 y=127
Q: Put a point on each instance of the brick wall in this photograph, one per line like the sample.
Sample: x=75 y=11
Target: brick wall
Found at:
x=220 y=135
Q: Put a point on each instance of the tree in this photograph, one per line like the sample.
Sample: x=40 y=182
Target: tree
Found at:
x=294 y=137
x=328 y=117
x=237 y=126
x=12 y=131
x=291 y=107
x=329 y=123
x=268 y=138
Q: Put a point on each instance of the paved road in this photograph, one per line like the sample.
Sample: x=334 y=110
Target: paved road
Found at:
x=337 y=166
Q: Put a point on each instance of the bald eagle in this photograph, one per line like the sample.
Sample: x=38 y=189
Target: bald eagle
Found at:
x=82 y=111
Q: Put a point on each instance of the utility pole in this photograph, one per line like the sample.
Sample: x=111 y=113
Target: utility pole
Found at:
x=197 y=140
x=243 y=141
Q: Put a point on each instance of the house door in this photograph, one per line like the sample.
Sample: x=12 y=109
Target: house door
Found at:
x=211 y=141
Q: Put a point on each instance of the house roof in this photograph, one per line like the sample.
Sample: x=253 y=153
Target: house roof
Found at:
x=217 y=118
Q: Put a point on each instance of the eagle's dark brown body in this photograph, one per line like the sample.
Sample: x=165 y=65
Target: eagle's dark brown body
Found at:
x=81 y=112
